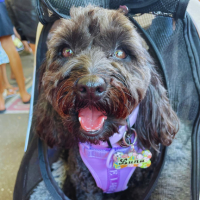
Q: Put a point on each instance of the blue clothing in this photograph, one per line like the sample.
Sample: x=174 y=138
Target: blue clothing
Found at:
x=3 y=56
x=6 y=27
x=2 y=0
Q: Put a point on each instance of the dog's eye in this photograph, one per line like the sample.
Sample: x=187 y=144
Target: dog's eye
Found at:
x=120 y=54
x=66 y=52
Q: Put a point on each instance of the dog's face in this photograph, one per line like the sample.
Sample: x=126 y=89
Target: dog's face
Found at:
x=96 y=72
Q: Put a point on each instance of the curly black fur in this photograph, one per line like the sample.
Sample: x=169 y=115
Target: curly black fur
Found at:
x=94 y=34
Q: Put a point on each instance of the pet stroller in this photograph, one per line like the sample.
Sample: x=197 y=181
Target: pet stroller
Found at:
x=174 y=43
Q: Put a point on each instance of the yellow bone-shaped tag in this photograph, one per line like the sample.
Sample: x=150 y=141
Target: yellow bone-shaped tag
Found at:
x=132 y=159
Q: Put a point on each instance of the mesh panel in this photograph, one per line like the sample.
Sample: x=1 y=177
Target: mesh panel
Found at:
x=29 y=173
x=167 y=6
x=45 y=15
x=169 y=39
x=62 y=7
x=161 y=31
x=172 y=47
x=185 y=101
x=144 y=20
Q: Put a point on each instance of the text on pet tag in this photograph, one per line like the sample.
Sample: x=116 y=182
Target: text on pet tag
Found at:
x=132 y=159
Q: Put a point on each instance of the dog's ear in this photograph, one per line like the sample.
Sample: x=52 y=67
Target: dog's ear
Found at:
x=123 y=9
x=156 y=122
x=48 y=125
x=44 y=122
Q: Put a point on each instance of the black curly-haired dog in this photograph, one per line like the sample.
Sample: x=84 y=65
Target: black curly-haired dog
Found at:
x=97 y=61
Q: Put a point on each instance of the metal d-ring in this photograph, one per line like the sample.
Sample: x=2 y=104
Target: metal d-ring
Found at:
x=124 y=138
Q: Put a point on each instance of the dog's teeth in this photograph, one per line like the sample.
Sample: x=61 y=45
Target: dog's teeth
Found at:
x=79 y=119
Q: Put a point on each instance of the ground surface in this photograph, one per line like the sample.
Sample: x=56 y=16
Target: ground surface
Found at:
x=13 y=129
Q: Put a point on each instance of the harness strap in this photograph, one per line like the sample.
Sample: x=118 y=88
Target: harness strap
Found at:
x=99 y=160
x=100 y=164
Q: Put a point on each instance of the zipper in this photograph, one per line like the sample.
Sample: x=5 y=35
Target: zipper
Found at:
x=139 y=4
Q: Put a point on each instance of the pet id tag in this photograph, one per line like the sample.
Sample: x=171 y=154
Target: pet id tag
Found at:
x=132 y=158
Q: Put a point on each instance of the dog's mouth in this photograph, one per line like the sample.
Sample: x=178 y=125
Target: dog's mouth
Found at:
x=91 y=120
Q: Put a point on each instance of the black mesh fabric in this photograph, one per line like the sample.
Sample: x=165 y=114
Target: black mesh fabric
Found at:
x=166 y=6
x=184 y=98
x=29 y=174
x=172 y=47
x=62 y=7
x=181 y=66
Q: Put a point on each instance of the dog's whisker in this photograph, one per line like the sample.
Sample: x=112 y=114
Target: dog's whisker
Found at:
x=121 y=79
x=61 y=97
x=129 y=94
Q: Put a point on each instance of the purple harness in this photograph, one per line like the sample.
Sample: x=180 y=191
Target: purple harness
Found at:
x=99 y=160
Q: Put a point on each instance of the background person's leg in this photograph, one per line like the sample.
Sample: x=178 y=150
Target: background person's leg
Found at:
x=5 y=81
x=33 y=48
x=2 y=102
x=16 y=65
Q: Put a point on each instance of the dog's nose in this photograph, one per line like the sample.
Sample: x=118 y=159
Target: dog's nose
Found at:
x=91 y=87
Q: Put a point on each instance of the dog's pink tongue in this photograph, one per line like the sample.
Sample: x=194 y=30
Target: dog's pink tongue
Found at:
x=91 y=119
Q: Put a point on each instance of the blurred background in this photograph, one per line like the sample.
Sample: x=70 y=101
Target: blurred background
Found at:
x=17 y=52
x=18 y=25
